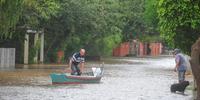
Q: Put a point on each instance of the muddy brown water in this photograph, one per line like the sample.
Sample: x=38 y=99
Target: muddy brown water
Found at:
x=124 y=79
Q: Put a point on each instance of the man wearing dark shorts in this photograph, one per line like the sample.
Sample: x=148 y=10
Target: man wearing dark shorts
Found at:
x=77 y=58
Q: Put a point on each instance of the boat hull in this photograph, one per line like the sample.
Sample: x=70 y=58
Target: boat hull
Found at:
x=72 y=79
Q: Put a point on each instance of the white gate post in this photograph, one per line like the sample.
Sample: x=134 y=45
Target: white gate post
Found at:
x=26 y=48
x=42 y=47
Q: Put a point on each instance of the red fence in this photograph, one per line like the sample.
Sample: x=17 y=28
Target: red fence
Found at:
x=122 y=50
x=142 y=49
x=156 y=49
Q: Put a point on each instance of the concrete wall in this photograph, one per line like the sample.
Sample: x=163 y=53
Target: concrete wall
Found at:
x=7 y=57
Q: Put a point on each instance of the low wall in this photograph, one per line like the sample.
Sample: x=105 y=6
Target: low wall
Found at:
x=7 y=57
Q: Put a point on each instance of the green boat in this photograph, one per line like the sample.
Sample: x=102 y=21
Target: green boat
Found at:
x=90 y=77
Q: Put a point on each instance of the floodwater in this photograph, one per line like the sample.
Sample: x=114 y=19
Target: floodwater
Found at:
x=124 y=79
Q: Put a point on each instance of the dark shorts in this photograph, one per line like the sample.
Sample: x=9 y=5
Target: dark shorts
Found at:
x=75 y=69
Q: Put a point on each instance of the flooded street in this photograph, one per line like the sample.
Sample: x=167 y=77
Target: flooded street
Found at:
x=124 y=79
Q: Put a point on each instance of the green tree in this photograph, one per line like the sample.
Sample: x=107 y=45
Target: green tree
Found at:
x=95 y=25
x=10 y=13
x=85 y=24
x=151 y=17
x=16 y=13
x=133 y=11
x=179 y=22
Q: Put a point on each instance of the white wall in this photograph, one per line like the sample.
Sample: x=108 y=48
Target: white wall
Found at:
x=7 y=57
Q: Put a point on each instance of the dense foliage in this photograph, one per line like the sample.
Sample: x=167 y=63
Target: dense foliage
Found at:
x=151 y=16
x=9 y=17
x=180 y=22
x=96 y=25
x=100 y=25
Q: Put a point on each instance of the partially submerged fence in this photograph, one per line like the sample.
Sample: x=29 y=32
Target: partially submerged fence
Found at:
x=7 y=57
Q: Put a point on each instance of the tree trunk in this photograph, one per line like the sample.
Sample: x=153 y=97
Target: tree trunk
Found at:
x=195 y=65
x=194 y=90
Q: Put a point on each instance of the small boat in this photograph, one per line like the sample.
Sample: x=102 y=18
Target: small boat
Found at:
x=90 y=77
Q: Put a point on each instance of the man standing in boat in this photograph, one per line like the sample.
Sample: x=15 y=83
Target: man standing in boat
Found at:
x=76 y=59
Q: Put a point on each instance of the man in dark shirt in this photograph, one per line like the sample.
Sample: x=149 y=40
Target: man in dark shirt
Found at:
x=76 y=59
